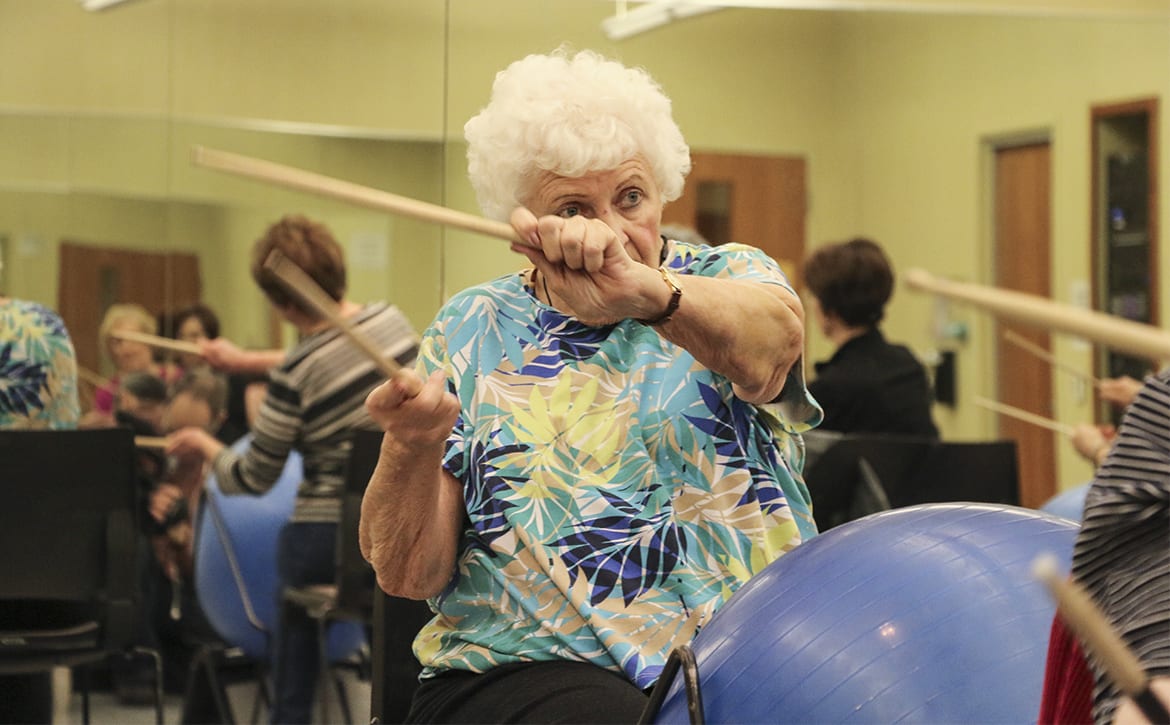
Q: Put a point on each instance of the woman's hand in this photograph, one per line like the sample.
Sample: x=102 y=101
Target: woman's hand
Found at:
x=193 y=442
x=414 y=413
x=589 y=268
x=1093 y=442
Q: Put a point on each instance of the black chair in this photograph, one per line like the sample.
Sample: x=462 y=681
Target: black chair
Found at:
x=856 y=474
x=69 y=547
x=981 y=471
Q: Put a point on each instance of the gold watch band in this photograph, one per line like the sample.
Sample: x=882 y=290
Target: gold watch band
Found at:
x=675 y=297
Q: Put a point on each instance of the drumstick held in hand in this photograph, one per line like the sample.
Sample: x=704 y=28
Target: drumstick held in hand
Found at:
x=308 y=181
x=1083 y=617
x=1019 y=414
x=164 y=343
x=1025 y=344
x=302 y=285
x=150 y=442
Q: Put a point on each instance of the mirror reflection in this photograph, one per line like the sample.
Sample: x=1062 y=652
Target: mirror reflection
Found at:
x=806 y=127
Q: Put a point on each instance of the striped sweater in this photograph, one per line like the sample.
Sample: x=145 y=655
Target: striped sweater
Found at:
x=1122 y=553
x=315 y=401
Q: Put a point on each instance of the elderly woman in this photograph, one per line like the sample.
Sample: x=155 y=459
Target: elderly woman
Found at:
x=601 y=449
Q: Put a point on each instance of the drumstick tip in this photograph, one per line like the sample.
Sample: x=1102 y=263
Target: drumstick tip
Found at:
x=1045 y=568
x=917 y=278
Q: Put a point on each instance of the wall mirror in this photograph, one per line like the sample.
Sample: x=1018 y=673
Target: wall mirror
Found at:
x=878 y=123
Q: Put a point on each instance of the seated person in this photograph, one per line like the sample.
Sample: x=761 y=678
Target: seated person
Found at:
x=1122 y=558
x=597 y=451
x=869 y=385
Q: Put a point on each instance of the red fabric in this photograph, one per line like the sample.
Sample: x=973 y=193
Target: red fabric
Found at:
x=1068 y=682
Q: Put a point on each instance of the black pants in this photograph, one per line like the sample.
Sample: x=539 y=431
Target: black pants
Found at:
x=529 y=692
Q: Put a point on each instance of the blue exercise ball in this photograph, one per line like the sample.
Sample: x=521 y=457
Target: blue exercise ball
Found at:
x=925 y=614
x=236 y=579
x=1068 y=504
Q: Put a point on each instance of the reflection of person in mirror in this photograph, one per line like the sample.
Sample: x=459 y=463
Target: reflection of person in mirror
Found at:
x=596 y=452
x=38 y=391
x=869 y=385
x=246 y=371
x=314 y=403
x=128 y=356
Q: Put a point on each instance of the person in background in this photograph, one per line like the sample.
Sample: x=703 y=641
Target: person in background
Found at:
x=314 y=404
x=198 y=400
x=128 y=356
x=869 y=385
x=38 y=368
x=596 y=452
x=1093 y=442
x=198 y=324
x=38 y=391
x=1122 y=558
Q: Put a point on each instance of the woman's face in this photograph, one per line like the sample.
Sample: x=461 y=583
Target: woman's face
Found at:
x=128 y=356
x=191 y=330
x=626 y=199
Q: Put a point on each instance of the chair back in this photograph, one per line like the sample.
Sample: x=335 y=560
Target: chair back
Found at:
x=850 y=473
x=355 y=576
x=236 y=578
x=68 y=531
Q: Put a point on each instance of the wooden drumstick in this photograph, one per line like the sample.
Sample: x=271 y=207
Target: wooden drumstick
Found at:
x=1013 y=412
x=164 y=343
x=1083 y=617
x=302 y=285
x=1022 y=342
x=314 y=183
x=150 y=442
x=1114 y=332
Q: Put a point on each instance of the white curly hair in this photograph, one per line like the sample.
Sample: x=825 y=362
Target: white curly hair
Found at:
x=570 y=115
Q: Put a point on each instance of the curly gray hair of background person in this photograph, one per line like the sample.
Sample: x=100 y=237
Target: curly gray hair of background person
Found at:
x=570 y=114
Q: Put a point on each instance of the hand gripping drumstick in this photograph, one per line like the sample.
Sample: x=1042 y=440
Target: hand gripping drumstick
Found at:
x=1086 y=620
x=322 y=185
x=1114 y=332
x=302 y=285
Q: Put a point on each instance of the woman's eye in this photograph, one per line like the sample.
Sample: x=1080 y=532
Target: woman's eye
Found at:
x=631 y=198
x=569 y=210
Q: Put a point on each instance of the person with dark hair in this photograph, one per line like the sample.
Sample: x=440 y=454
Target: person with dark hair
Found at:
x=869 y=385
x=315 y=403
x=198 y=324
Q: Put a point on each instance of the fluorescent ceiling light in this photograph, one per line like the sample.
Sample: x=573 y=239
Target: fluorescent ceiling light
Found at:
x=650 y=16
x=95 y=5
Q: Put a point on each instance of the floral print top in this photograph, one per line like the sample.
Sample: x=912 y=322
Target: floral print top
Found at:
x=617 y=492
x=38 y=368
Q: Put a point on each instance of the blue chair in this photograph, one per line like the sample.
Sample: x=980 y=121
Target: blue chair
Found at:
x=236 y=579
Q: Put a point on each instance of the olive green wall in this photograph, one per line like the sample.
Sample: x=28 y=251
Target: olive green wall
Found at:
x=896 y=114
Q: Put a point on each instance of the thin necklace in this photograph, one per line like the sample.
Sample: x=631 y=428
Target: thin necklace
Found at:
x=544 y=283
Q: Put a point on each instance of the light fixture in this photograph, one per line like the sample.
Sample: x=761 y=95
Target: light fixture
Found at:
x=651 y=15
x=95 y=5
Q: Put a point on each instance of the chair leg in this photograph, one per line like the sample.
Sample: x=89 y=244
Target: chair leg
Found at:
x=156 y=659
x=342 y=696
x=85 y=695
x=323 y=665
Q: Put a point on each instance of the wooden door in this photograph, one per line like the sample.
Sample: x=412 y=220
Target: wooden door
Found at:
x=1022 y=263
x=757 y=200
x=91 y=278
